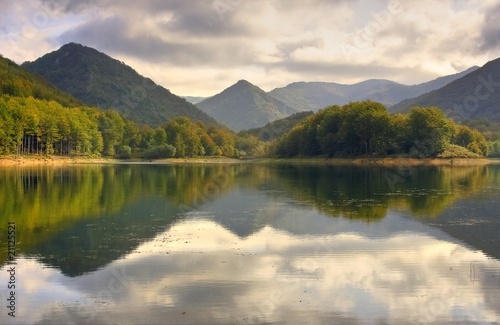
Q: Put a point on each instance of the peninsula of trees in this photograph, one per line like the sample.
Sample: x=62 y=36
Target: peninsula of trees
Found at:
x=367 y=129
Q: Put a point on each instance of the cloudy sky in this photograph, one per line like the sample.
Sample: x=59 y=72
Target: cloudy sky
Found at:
x=200 y=47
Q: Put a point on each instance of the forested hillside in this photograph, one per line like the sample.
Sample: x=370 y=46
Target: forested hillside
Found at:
x=16 y=81
x=99 y=80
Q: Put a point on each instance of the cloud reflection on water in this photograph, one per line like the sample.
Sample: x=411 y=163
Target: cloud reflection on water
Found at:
x=199 y=272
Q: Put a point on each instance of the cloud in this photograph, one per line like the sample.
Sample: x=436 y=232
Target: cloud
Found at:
x=490 y=34
x=116 y=35
x=184 y=43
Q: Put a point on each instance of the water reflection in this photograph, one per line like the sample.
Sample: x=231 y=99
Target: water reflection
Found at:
x=199 y=272
x=252 y=244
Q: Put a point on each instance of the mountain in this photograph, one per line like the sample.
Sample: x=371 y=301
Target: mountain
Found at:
x=441 y=82
x=99 y=80
x=244 y=106
x=305 y=96
x=475 y=95
x=277 y=128
x=18 y=82
x=194 y=99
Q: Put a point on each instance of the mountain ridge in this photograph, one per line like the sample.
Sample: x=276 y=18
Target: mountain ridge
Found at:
x=316 y=94
x=244 y=106
x=472 y=96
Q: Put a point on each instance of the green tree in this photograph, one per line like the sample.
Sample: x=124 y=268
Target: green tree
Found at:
x=111 y=126
x=182 y=131
x=329 y=127
x=430 y=131
x=132 y=136
x=159 y=137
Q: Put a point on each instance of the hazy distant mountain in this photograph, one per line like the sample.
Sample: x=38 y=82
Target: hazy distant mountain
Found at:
x=472 y=96
x=194 y=99
x=304 y=96
x=440 y=82
x=18 y=82
x=244 y=106
x=97 y=79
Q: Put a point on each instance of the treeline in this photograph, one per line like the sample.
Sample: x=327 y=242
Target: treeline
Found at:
x=33 y=126
x=367 y=129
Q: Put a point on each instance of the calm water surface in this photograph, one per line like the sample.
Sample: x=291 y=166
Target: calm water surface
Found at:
x=251 y=244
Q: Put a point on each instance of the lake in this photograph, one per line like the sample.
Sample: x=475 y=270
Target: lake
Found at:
x=250 y=244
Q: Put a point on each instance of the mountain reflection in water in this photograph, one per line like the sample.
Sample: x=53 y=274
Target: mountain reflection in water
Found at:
x=252 y=244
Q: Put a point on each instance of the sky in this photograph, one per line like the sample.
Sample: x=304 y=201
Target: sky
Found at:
x=200 y=47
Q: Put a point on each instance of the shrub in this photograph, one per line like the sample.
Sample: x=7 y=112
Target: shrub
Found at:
x=163 y=151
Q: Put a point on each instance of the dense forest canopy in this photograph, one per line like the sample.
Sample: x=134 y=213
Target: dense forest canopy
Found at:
x=367 y=129
x=34 y=126
x=17 y=82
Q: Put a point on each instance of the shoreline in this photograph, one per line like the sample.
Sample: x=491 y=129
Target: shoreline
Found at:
x=388 y=161
x=61 y=160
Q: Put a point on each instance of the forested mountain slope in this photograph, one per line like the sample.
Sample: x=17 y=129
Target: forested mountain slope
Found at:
x=244 y=106
x=16 y=81
x=99 y=80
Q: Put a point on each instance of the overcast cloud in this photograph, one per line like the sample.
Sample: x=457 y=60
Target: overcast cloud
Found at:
x=200 y=47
